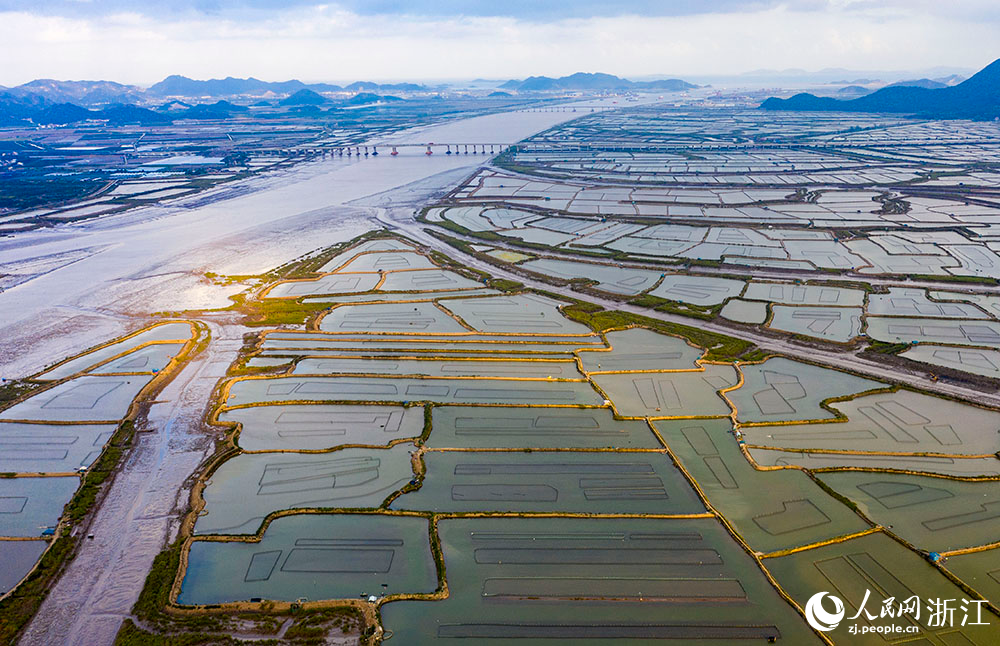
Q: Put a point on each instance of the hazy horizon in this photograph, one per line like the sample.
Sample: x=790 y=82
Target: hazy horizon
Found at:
x=140 y=43
x=789 y=73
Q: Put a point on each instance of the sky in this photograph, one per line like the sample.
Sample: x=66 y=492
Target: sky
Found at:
x=391 y=40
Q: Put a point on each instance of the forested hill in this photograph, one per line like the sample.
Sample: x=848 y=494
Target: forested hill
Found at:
x=975 y=98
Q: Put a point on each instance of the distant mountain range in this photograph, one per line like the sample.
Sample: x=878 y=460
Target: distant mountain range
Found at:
x=104 y=93
x=79 y=92
x=975 y=98
x=47 y=101
x=176 y=85
x=927 y=84
x=25 y=110
x=854 y=90
x=583 y=81
x=304 y=96
x=99 y=94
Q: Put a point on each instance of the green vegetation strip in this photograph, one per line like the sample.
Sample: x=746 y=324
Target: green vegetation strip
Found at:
x=99 y=472
x=720 y=347
x=703 y=312
x=131 y=635
x=881 y=347
x=948 y=278
x=14 y=389
x=272 y=312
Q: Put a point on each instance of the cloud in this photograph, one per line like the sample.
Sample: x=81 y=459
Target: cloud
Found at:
x=527 y=10
x=341 y=42
x=520 y=9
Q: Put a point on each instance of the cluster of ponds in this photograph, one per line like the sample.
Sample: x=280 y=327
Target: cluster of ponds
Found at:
x=569 y=484
x=768 y=229
x=953 y=329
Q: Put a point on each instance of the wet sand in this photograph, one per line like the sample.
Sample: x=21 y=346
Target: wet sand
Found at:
x=102 y=273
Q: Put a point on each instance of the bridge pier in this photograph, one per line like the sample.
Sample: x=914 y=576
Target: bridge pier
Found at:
x=371 y=150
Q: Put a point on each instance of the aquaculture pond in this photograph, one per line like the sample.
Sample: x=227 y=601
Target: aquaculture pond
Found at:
x=772 y=510
x=893 y=422
x=619 y=280
x=879 y=564
x=519 y=314
x=780 y=389
x=16 y=560
x=934 y=514
x=957 y=466
x=50 y=448
x=743 y=311
x=408 y=389
x=669 y=394
x=639 y=349
x=29 y=506
x=563 y=481
x=391 y=317
x=544 y=581
x=247 y=488
x=311 y=428
x=567 y=428
x=526 y=369
x=91 y=398
x=314 y=557
x=837 y=324
x=154 y=334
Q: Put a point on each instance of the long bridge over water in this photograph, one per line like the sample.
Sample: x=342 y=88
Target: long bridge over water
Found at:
x=373 y=150
x=429 y=149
